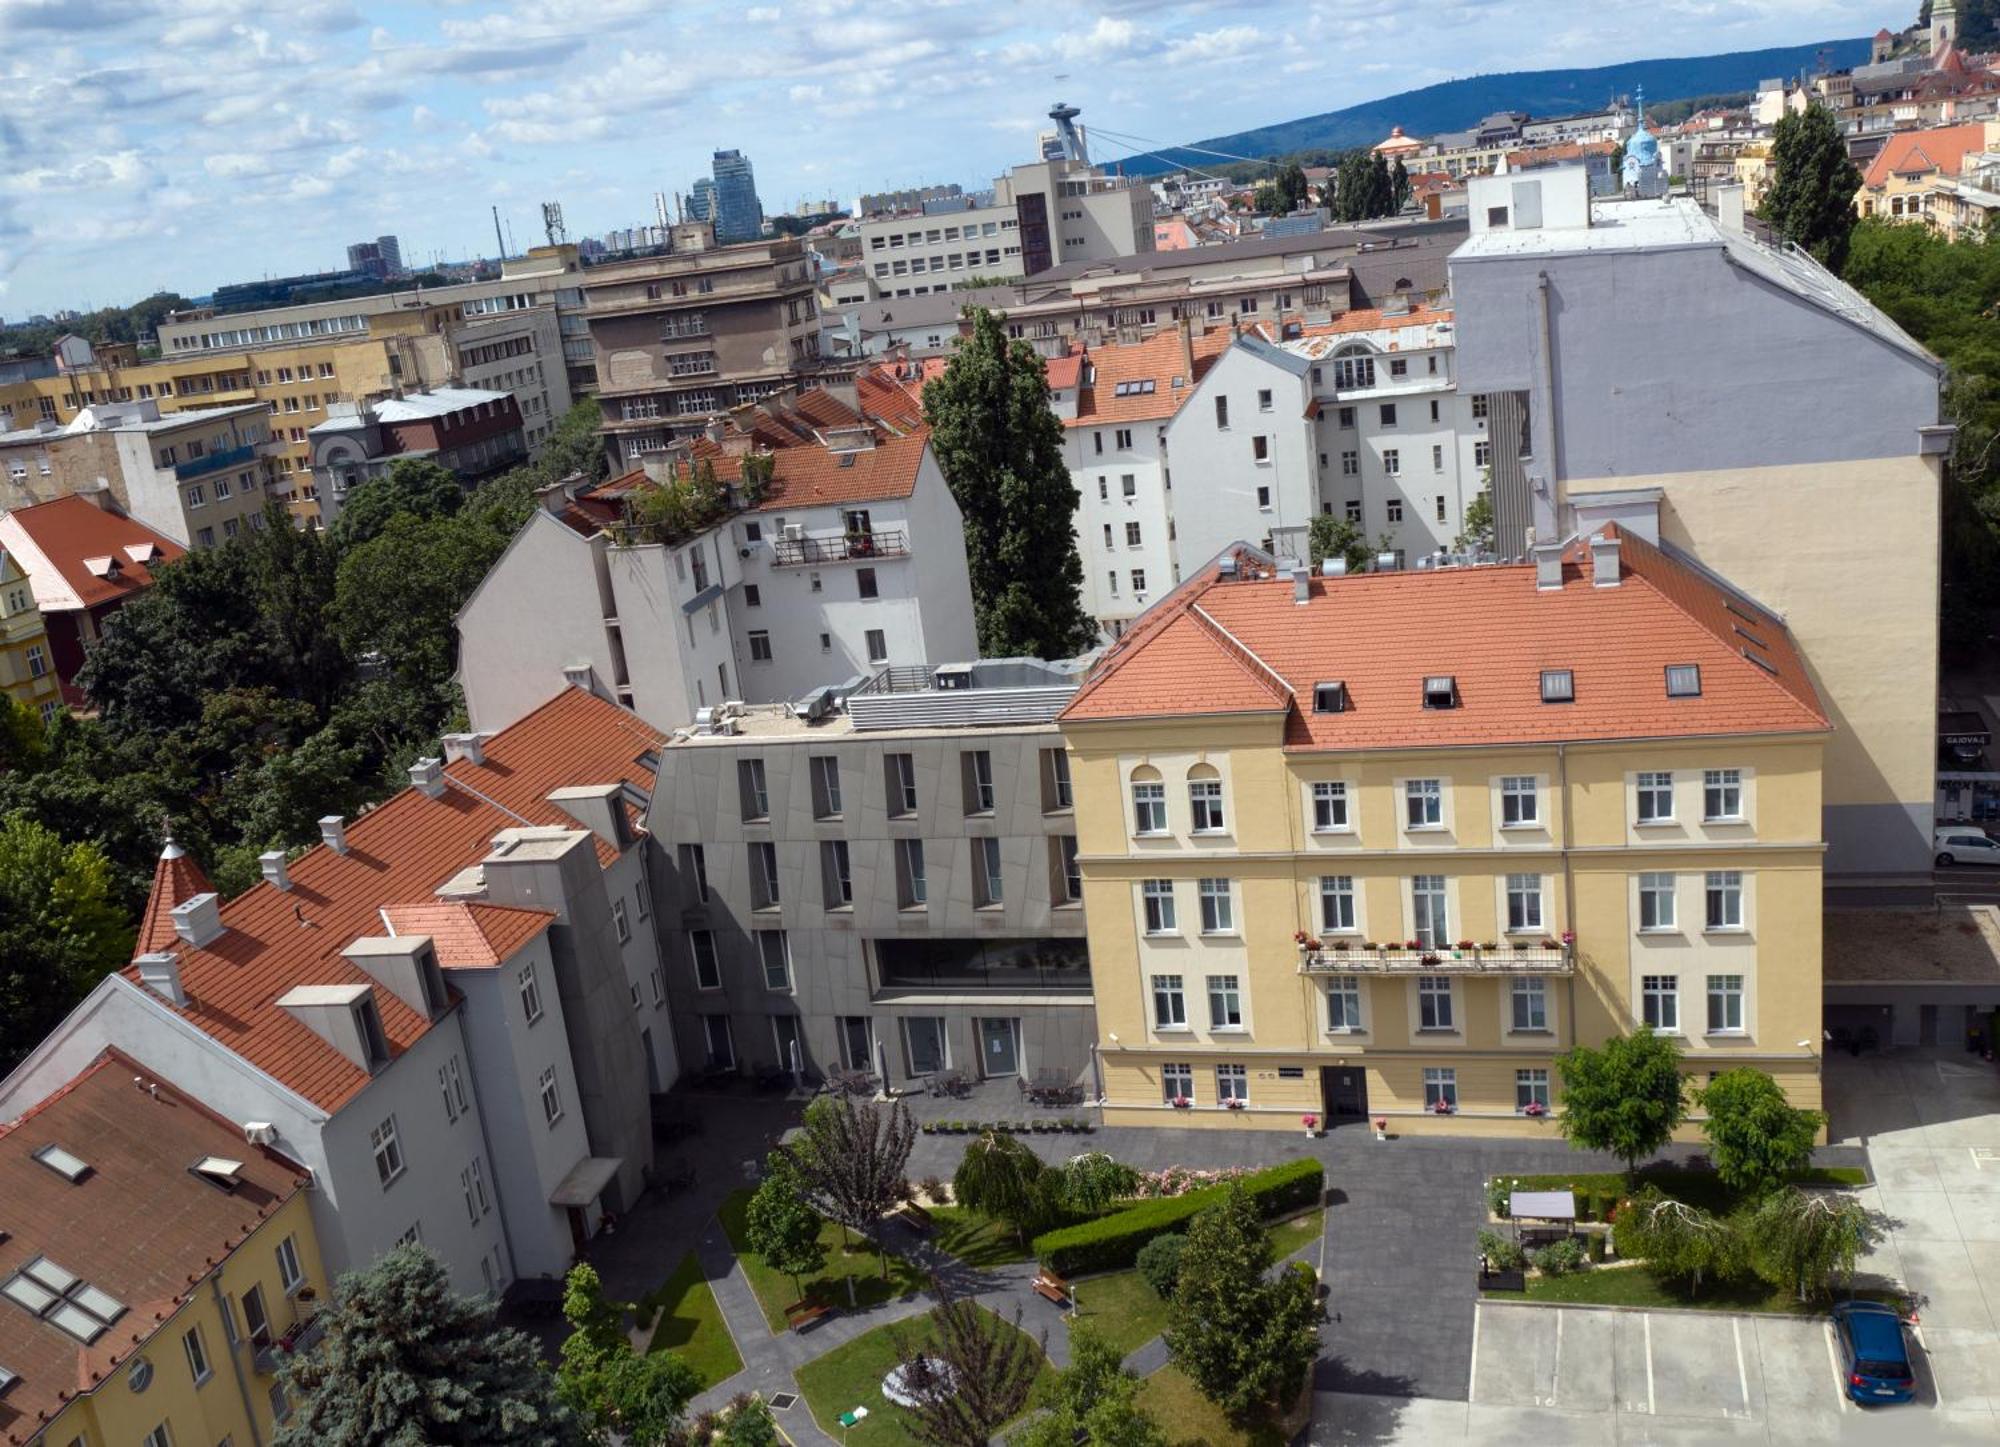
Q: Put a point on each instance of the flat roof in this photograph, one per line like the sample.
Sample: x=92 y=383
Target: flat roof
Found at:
x=438 y=402
x=777 y=721
x=1950 y=945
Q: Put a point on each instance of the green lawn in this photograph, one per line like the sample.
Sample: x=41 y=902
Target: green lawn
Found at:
x=1125 y=1311
x=858 y=1260
x=851 y=1376
x=1637 y=1286
x=1289 y=1236
x=689 y=1324
x=975 y=1240
x=1190 y=1418
x=1697 y=1188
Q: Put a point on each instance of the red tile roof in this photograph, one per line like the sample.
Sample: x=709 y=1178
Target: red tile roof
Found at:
x=1918 y=153
x=140 y=1225
x=1158 y=360
x=1487 y=627
x=1065 y=371
x=469 y=936
x=51 y=541
x=1369 y=319
x=176 y=880
x=398 y=853
x=818 y=477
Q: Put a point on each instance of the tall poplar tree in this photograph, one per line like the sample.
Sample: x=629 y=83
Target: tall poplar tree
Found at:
x=1001 y=450
x=1811 y=199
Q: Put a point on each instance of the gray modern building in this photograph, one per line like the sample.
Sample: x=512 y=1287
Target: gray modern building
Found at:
x=738 y=214
x=882 y=877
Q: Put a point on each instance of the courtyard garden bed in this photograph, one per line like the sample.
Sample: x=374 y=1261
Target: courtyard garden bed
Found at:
x=1636 y=1285
x=857 y=1260
x=850 y=1376
x=1597 y=1192
x=682 y=1317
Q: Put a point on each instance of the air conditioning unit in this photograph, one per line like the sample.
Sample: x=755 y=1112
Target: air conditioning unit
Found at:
x=795 y=532
x=260 y=1133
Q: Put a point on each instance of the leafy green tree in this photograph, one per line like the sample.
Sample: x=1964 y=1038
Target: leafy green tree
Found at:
x=620 y=1394
x=1679 y=1241
x=60 y=932
x=1002 y=1180
x=406 y=1362
x=1811 y=197
x=1625 y=1099
x=414 y=486
x=1001 y=450
x=1092 y=1180
x=1332 y=537
x=1094 y=1400
x=1801 y=1238
x=1479 y=526
x=398 y=594
x=783 y=1228
x=851 y=1155
x=1292 y=187
x=1245 y=1339
x=750 y=1424
x=969 y=1372
x=1756 y=1137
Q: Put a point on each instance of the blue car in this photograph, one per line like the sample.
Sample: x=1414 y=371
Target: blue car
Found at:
x=1876 y=1359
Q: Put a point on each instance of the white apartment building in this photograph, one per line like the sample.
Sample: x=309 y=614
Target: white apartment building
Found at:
x=451 y=1010
x=850 y=560
x=915 y=254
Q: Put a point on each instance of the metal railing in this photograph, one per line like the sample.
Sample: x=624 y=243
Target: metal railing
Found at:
x=841 y=548
x=1543 y=959
x=304 y=1335
x=214 y=462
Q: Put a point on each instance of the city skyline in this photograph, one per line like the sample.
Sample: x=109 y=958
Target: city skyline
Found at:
x=147 y=147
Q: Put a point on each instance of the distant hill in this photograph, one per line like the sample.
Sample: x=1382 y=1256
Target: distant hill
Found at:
x=1456 y=105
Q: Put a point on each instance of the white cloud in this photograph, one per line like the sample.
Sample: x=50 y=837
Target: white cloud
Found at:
x=1106 y=39
x=1208 y=45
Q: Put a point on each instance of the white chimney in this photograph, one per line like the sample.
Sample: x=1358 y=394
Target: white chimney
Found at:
x=1604 y=561
x=470 y=747
x=161 y=973
x=333 y=830
x=199 y=920
x=1548 y=565
x=427 y=777
x=272 y=862
x=1301 y=583
x=577 y=675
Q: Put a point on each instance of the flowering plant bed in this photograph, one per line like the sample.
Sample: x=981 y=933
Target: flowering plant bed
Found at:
x=1179 y=1180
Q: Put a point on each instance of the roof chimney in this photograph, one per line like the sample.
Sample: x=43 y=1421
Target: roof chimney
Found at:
x=161 y=973
x=1604 y=560
x=1186 y=330
x=272 y=862
x=470 y=747
x=427 y=778
x=1548 y=565
x=199 y=920
x=577 y=675
x=1301 y=583
x=333 y=831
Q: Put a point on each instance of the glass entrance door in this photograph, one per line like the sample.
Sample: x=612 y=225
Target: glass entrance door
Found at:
x=924 y=1035
x=857 y=1049
x=999 y=1048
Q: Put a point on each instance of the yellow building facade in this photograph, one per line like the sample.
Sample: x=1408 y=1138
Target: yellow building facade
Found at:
x=27 y=666
x=1414 y=933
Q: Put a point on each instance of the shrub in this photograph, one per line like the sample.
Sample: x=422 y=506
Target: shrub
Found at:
x=1498 y=1189
x=1559 y=1258
x=1093 y=1180
x=1112 y=1242
x=1502 y=1253
x=1160 y=1263
x=933 y=1188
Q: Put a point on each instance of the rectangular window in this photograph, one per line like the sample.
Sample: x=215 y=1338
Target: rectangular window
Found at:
x=1232 y=1082
x=444 y=1089
x=988 y=887
x=1221 y=411
x=1656 y=902
x=1131 y=535
x=1169 y=1003
x=1531 y=1088
x=1656 y=798
x=913 y=888
x=1263 y=399
x=836 y=880
x=774 y=954
x=756 y=798
x=1524 y=903
x=388 y=1151
x=619 y=923
x=197 y=1355
x=764 y=875
x=256 y=1320
x=1218 y=914
x=1350 y=466
x=1437 y=465
x=978 y=781
x=1343 y=1003
x=1558 y=685
x=1149 y=808
x=825 y=786
x=1157 y=896
x=1336 y=902
x=694 y=868
x=1069 y=877
x=1520 y=801
x=760 y=646
x=1531 y=1004
x=1205 y=804
x=1725 y=899
x=1057 y=794
x=901 y=774
x=1260 y=451
x=1138 y=581
x=1225 y=1003
x=1725 y=1003
x=1440 y=1088
x=1128 y=484
x=1427 y=911
x=1423 y=803
x=1721 y=795
x=1434 y=1004
x=864 y=581
x=1683 y=680
x=531 y=993
x=1329 y=807
x=551 y=1097
x=1177 y=1083
x=1660 y=997
x=1388 y=414
x=707 y=971
x=1392 y=466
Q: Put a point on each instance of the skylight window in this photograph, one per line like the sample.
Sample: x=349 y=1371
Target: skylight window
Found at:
x=68 y=1165
x=63 y=1299
x=1761 y=662
x=1748 y=637
x=219 y=1171
x=1145 y=387
x=7 y=1377
x=1441 y=692
x=1558 y=685
x=1330 y=697
x=1683 y=680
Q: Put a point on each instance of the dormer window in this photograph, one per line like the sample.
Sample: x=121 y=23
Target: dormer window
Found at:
x=1558 y=685
x=368 y=1026
x=1441 y=692
x=433 y=979
x=1330 y=697
x=1683 y=680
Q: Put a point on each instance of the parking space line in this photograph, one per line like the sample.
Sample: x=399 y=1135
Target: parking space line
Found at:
x=1651 y=1409
x=1742 y=1376
x=1930 y=1368
x=1839 y=1377
x=1555 y=1368
x=1472 y=1380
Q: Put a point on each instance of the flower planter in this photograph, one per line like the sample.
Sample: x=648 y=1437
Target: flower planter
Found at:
x=1381 y=1128
x=1311 y=1123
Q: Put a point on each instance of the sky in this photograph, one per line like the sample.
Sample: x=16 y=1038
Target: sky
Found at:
x=180 y=144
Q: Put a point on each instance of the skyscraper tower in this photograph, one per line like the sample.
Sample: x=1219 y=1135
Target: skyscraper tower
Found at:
x=738 y=215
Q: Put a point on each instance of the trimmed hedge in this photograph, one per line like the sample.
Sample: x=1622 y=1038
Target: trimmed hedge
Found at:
x=1112 y=1242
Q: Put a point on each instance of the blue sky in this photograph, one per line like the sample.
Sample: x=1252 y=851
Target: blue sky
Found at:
x=183 y=143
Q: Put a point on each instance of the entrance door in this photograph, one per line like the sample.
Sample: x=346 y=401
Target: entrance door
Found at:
x=1346 y=1090
x=856 y=1043
x=999 y=1048
x=1927 y=1024
x=652 y=1066
x=924 y=1036
x=721 y=1049
x=791 y=1055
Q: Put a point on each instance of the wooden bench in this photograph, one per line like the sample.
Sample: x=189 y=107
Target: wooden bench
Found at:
x=916 y=1218
x=802 y=1314
x=1052 y=1286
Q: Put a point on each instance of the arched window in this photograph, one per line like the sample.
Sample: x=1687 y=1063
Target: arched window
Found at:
x=1149 y=801
x=1354 y=366
x=1205 y=799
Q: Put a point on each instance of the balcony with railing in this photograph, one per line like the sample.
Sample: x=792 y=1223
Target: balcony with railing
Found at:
x=802 y=551
x=1340 y=957
x=214 y=462
x=302 y=1336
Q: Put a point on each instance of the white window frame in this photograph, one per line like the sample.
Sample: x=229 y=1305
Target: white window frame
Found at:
x=291 y=1275
x=551 y=1094
x=199 y=1366
x=1660 y=1003
x=1520 y=802
x=1218 y=906
x=1347 y=990
x=1423 y=804
x=1156 y=904
x=1650 y=789
x=1722 y=796
x=388 y=1152
x=1169 y=1002
x=1205 y=812
x=1176 y=1082
x=1149 y=808
x=1329 y=803
x=784 y=960
x=1440 y=1084
x=1433 y=933
x=1528 y=1005
x=1524 y=899
x=1225 y=1002
x=1723 y=887
x=1336 y=904
x=1725 y=991
x=1436 y=1007
x=1232 y=1082
x=619 y=923
x=531 y=992
x=1531 y=1087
